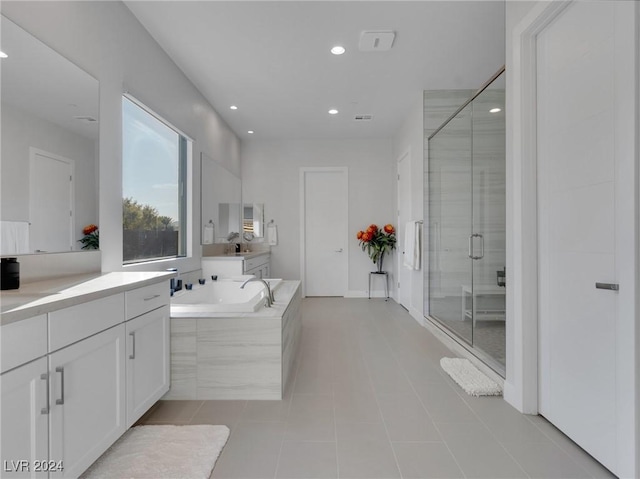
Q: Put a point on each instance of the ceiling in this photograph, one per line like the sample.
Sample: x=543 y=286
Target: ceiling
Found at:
x=272 y=59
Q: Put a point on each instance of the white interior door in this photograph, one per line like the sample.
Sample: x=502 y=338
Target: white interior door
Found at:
x=51 y=202
x=324 y=222
x=577 y=201
x=404 y=215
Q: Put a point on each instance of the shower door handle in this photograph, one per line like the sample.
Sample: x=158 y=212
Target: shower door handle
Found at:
x=476 y=235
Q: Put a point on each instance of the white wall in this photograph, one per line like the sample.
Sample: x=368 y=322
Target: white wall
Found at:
x=410 y=138
x=514 y=381
x=21 y=130
x=270 y=175
x=107 y=41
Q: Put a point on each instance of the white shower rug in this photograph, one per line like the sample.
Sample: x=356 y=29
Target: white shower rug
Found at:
x=162 y=452
x=470 y=378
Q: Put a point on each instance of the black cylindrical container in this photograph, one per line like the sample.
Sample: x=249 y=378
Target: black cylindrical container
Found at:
x=10 y=273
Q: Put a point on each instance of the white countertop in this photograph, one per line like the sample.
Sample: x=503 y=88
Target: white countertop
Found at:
x=236 y=256
x=40 y=297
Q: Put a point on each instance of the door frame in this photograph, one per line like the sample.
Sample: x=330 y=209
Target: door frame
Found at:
x=402 y=271
x=522 y=382
x=72 y=187
x=303 y=253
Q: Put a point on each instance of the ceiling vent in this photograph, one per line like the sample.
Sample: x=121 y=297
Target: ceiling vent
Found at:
x=363 y=117
x=376 y=41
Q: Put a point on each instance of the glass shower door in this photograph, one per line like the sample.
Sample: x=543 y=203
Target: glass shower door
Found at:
x=466 y=181
x=450 y=225
x=489 y=216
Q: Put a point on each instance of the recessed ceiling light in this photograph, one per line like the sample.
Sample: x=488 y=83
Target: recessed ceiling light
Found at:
x=338 y=50
x=250 y=132
x=333 y=111
x=3 y=55
x=233 y=107
x=495 y=110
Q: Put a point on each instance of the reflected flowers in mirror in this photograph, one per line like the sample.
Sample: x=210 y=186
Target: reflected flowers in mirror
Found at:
x=91 y=238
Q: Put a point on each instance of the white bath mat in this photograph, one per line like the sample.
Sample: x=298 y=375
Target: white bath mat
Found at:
x=162 y=452
x=469 y=378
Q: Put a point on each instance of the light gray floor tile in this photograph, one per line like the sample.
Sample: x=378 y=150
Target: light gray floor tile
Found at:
x=247 y=458
x=219 y=412
x=368 y=373
x=426 y=460
x=171 y=412
x=444 y=404
x=319 y=426
x=478 y=453
x=575 y=452
x=367 y=459
x=267 y=411
x=361 y=431
x=353 y=406
x=310 y=404
x=406 y=418
x=302 y=460
x=545 y=461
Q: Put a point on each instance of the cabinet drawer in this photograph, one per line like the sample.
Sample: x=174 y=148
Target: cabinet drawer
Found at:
x=148 y=298
x=23 y=341
x=78 y=322
x=255 y=262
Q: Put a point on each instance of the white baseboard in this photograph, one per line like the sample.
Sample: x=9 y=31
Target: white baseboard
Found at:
x=417 y=315
x=364 y=294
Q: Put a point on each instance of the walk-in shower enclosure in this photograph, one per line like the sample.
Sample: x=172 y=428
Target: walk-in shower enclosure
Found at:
x=465 y=185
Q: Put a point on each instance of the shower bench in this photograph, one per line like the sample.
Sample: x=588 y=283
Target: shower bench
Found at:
x=483 y=303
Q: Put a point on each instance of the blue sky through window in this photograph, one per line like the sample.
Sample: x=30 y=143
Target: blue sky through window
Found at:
x=150 y=160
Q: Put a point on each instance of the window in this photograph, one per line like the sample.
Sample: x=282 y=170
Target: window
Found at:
x=154 y=170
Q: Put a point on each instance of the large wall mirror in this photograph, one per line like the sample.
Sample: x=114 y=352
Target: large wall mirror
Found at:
x=49 y=151
x=221 y=196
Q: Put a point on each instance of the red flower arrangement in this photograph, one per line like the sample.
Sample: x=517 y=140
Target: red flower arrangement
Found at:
x=377 y=241
x=91 y=238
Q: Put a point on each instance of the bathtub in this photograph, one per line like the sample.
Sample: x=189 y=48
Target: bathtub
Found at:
x=234 y=355
x=224 y=296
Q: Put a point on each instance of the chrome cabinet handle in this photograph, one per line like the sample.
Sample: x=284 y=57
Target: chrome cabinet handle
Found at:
x=60 y=370
x=338 y=250
x=470 y=254
x=47 y=408
x=149 y=298
x=609 y=286
x=133 y=352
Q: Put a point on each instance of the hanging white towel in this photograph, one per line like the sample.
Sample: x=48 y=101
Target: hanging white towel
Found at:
x=412 y=245
x=14 y=237
x=272 y=234
x=208 y=233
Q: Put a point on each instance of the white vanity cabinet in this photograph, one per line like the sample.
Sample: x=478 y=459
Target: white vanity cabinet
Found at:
x=68 y=387
x=147 y=330
x=87 y=399
x=25 y=421
x=258 y=264
x=24 y=414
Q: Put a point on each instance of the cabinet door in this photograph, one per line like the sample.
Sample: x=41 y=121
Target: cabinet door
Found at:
x=147 y=361
x=87 y=399
x=24 y=418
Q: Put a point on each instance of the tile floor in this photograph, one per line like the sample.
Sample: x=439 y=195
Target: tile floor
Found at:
x=369 y=400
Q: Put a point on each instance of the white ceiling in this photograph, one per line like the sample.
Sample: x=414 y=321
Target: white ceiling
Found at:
x=272 y=59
